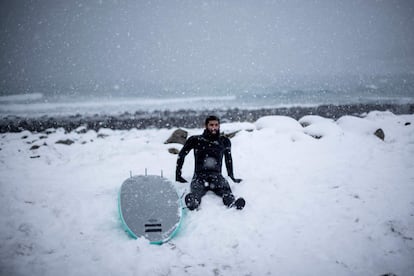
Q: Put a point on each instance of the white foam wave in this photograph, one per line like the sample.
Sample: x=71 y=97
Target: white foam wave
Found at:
x=113 y=105
x=21 y=97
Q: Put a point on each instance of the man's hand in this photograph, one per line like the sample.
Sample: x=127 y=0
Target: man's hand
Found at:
x=235 y=180
x=179 y=178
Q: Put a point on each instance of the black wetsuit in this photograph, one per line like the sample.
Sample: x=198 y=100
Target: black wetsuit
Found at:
x=209 y=150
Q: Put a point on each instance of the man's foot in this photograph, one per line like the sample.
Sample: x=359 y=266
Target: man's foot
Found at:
x=239 y=203
x=228 y=200
x=191 y=201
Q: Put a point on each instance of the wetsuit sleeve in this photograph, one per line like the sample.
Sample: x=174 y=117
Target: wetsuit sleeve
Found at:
x=227 y=157
x=189 y=145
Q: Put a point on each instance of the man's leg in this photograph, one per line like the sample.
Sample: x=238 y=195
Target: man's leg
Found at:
x=198 y=190
x=222 y=188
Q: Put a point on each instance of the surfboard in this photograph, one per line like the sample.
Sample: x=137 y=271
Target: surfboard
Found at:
x=150 y=208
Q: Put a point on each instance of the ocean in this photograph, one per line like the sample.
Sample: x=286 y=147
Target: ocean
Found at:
x=328 y=97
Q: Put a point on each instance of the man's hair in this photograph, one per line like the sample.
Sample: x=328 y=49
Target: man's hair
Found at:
x=211 y=118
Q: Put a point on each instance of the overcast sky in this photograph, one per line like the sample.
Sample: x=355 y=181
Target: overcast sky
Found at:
x=54 y=42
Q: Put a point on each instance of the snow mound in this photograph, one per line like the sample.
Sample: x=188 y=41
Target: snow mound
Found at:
x=323 y=128
x=357 y=125
x=237 y=126
x=312 y=119
x=318 y=127
x=278 y=123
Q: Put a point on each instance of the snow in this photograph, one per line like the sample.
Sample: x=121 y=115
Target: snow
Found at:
x=339 y=205
x=318 y=127
x=278 y=123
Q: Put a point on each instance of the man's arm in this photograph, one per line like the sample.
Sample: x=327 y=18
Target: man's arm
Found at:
x=229 y=161
x=189 y=145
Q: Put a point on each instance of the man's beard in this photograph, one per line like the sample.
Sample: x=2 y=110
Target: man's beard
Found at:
x=211 y=135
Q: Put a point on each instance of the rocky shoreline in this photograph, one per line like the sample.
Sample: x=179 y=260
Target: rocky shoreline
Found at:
x=185 y=118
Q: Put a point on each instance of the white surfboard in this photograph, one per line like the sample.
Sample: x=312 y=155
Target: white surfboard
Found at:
x=150 y=208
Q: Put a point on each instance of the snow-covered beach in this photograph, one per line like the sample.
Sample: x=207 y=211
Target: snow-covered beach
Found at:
x=323 y=196
x=317 y=98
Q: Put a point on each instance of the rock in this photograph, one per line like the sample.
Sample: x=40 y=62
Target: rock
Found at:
x=380 y=134
x=50 y=131
x=179 y=136
x=231 y=134
x=65 y=142
x=102 y=135
x=81 y=130
x=316 y=136
x=173 y=151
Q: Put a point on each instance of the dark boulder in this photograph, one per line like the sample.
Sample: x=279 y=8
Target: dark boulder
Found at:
x=380 y=134
x=173 y=150
x=65 y=142
x=34 y=147
x=179 y=136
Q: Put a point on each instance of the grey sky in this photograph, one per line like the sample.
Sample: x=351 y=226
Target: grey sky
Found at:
x=46 y=44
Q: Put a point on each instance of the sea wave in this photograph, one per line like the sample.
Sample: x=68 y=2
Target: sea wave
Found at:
x=109 y=106
x=21 y=97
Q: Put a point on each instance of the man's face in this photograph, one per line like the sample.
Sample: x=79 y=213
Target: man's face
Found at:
x=213 y=127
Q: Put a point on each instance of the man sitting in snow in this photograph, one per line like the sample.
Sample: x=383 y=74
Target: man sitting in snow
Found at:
x=209 y=149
